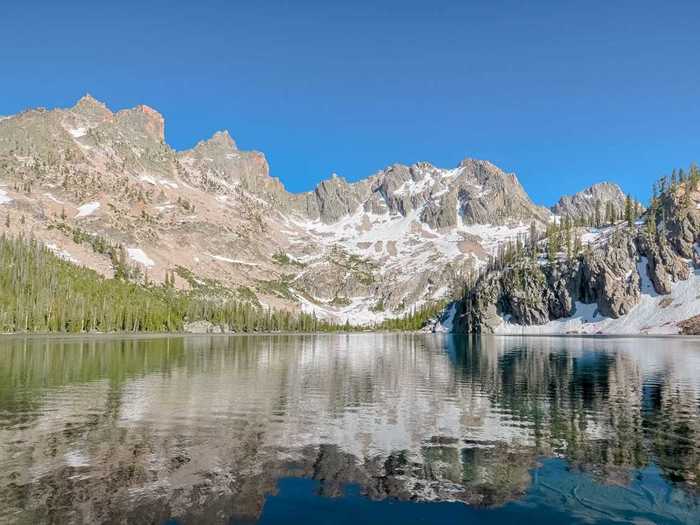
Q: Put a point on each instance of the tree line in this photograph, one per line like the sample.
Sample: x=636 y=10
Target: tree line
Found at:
x=40 y=292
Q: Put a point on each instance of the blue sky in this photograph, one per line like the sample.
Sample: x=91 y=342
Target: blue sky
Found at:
x=563 y=93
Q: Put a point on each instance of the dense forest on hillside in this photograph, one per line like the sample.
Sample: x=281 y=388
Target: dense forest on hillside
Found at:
x=40 y=292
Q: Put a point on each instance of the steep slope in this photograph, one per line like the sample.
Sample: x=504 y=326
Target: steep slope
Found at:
x=628 y=279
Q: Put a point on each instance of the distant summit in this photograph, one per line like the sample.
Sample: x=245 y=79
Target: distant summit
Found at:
x=584 y=202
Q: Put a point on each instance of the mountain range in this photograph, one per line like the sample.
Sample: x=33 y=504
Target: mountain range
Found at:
x=358 y=252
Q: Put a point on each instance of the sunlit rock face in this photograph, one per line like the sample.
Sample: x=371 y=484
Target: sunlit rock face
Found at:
x=203 y=428
x=584 y=203
x=359 y=251
x=627 y=280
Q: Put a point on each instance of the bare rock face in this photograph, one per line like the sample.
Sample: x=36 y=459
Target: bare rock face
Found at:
x=92 y=111
x=488 y=195
x=217 y=165
x=143 y=122
x=608 y=275
x=690 y=326
x=681 y=224
x=663 y=264
x=334 y=198
x=584 y=202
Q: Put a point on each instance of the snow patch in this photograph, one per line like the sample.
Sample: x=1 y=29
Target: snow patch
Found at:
x=76 y=459
x=358 y=312
x=4 y=198
x=88 y=209
x=138 y=255
x=78 y=132
x=52 y=198
x=654 y=314
x=63 y=254
x=228 y=260
x=169 y=184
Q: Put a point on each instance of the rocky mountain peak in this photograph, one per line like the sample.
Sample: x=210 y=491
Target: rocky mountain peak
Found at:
x=219 y=141
x=91 y=109
x=470 y=162
x=584 y=202
x=143 y=120
x=223 y=138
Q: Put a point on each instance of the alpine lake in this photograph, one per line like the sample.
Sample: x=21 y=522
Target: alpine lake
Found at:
x=349 y=428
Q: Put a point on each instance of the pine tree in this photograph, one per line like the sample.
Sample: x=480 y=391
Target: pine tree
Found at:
x=651 y=224
x=552 y=242
x=577 y=243
x=609 y=219
x=694 y=177
x=628 y=211
x=533 y=237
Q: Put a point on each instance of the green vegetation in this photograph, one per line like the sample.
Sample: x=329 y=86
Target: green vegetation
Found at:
x=283 y=259
x=41 y=292
x=363 y=269
x=664 y=191
x=279 y=287
x=416 y=319
x=340 y=301
x=378 y=306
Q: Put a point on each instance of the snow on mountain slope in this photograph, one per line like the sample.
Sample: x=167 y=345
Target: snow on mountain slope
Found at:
x=359 y=251
x=655 y=314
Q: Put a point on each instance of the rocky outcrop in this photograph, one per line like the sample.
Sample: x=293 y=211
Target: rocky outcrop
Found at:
x=334 y=198
x=583 y=203
x=93 y=111
x=609 y=274
x=202 y=327
x=690 y=326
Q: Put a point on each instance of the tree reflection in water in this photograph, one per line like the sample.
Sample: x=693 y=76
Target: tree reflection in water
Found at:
x=203 y=428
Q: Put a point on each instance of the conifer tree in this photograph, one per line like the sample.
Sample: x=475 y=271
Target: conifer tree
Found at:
x=628 y=211
x=577 y=243
x=694 y=177
x=609 y=219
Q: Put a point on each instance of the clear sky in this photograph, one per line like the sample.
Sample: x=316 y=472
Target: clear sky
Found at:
x=563 y=93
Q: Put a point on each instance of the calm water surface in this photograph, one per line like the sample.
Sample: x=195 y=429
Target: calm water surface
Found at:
x=381 y=428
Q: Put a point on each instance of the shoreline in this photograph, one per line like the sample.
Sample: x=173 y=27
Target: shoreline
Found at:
x=156 y=335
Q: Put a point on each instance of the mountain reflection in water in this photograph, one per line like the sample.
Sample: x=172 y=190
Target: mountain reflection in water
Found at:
x=226 y=429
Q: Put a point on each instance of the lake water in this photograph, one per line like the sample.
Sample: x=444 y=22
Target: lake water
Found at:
x=375 y=428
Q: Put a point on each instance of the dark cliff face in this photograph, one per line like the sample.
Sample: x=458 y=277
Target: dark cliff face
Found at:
x=609 y=274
